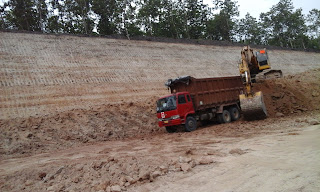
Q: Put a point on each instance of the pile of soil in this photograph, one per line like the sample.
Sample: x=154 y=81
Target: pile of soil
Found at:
x=293 y=94
x=23 y=137
x=121 y=165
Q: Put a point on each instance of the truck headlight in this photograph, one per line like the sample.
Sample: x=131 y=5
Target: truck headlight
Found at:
x=175 y=117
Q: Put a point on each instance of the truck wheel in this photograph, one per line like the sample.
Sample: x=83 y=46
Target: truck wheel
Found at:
x=171 y=129
x=235 y=113
x=225 y=117
x=191 y=124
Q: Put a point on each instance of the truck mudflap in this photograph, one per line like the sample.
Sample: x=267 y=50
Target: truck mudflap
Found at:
x=253 y=107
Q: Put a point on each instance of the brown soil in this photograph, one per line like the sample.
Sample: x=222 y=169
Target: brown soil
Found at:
x=293 y=94
x=130 y=163
x=22 y=137
x=78 y=113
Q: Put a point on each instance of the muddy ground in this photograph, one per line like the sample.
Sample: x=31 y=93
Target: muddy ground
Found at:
x=275 y=161
x=163 y=161
x=79 y=114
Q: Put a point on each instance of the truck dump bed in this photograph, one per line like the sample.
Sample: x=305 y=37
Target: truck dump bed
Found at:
x=209 y=92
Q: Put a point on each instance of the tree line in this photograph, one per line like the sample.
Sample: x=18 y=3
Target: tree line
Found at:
x=282 y=25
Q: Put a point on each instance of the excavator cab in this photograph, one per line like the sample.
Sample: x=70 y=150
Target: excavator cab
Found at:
x=264 y=68
x=263 y=61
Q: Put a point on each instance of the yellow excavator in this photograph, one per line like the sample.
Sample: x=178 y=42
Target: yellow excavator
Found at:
x=259 y=65
x=253 y=69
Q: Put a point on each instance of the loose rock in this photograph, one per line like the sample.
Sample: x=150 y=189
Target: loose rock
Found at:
x=205 y=161
x=314 y=122
x=184 y=159
x=115 y=188
x=155 y=174
x=278 y=114
x=185 y=167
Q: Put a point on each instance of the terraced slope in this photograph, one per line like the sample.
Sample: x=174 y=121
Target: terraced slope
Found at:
x=47 y=74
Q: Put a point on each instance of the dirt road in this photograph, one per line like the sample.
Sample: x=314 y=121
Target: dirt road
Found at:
x=241 y=156
x=275 y=162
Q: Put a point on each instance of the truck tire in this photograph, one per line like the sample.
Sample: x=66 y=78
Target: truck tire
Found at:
x=224 y=117
x=191 y=124
x=235 y=113
x=171 y=129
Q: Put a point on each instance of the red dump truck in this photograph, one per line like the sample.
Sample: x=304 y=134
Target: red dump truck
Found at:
x=193 y=100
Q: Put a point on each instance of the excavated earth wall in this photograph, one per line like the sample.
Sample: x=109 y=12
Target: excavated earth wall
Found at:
x=57 y=91
x=46 y=74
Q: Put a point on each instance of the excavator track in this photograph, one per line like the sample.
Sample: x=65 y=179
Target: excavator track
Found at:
x=253 y=107
x=268 y=74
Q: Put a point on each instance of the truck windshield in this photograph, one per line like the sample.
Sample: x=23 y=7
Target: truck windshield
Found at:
x=166 y=104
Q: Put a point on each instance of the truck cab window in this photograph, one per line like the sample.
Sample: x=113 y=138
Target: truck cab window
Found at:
x=181 y=99
x=188 y=97
x=166 y=104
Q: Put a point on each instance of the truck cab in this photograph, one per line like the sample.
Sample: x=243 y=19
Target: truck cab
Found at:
x=173 y=109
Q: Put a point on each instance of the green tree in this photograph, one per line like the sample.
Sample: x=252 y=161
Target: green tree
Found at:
x=82 y=11
x=149 y=16
x=222 y=25
x=313 y=19
x=177 y=19
x=27 y=15
x=249 y=31
x=173 y=22
x=42 y=13
x=196 y=13
x=3 y=22
x=106 y=10
x=284 y=26
x=168 y=20
x=127 y=18
x=73 y=17
x=54 y=25
x=55 y=21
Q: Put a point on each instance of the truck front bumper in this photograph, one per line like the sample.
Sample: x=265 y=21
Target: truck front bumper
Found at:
x=172 y=122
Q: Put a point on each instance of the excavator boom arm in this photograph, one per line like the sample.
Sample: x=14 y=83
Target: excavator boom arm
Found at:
x=252 y=104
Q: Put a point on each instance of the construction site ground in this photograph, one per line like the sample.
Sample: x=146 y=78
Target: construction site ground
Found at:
x=78 y=114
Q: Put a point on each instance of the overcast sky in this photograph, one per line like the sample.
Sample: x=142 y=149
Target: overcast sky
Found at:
x=261 y=6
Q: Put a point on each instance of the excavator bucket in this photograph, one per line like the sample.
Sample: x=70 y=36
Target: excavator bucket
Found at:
x=253 y=107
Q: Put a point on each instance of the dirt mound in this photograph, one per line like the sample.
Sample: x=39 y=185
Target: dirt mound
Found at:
x=123 y=164
x=292 y=94
x=75 y=127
